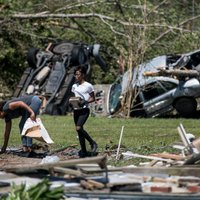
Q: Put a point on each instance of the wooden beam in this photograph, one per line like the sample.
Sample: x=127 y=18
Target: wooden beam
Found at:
x=119 y=144
x=100 y=160
x=169 y=156
x=67 y=171
x=134 y=155
x=174 y=171
x=174 y=72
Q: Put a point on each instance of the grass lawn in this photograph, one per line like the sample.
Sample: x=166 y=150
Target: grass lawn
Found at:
x=143 y=136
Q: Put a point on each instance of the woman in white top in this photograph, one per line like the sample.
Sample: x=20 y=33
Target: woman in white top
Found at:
x=85 y=91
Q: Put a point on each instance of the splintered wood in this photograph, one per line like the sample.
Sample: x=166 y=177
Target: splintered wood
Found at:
x=165 y=175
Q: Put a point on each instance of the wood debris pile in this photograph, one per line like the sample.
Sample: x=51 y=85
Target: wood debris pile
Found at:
x=166 y=175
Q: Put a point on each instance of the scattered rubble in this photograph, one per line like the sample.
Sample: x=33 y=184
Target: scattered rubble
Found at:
x=163 y=176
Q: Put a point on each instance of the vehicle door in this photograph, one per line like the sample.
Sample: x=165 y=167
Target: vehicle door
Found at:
x=113 y=99
x=158 y=97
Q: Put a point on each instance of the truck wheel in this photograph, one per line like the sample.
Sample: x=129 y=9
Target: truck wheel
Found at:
x=185 y=106
x=31 y=57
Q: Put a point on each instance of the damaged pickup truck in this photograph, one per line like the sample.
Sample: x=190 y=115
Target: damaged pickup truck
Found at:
x=162 y=85
x=50 y=72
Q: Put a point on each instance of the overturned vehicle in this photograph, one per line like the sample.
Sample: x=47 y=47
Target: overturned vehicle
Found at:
x=162 y=85
x=50 y=72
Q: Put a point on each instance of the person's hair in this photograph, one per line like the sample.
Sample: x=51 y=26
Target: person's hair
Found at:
x=81 y=69
x=2 y=103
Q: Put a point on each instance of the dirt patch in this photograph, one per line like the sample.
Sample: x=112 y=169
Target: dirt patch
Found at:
x=16 y=158
x=10 y=160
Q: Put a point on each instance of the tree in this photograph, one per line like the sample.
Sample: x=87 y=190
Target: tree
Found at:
x=137 y=29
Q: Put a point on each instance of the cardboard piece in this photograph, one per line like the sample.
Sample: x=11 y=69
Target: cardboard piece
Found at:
x=74 y=102
x=36 y=130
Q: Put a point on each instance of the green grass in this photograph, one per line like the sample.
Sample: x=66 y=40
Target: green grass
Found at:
x=143 y=136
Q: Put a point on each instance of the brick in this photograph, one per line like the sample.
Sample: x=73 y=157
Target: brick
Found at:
x=164 y=189
x=193 y=188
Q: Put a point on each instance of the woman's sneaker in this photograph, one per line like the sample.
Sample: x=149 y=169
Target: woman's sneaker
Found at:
x=82 y=154
x=94 y=147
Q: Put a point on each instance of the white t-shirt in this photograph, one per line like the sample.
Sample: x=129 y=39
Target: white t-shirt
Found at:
x=84 y=90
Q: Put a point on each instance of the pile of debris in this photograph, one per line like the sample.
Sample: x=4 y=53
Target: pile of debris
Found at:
x=166 y=176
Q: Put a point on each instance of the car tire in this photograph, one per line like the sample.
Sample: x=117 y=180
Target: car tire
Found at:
x=185 y=106
x=78 y=56
x=62 y=48
x=31 y=57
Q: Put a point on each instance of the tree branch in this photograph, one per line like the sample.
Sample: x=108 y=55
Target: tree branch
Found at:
x=44 y=15
x=111 y=27
x=170 y=29
x=79 y=5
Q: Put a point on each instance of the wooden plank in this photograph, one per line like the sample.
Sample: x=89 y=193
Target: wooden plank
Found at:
x=96 y=184
x=152 y=163
x=119 y=144
x=87 y=185
x=169 y=156
x=174 y=171
x=100 y=160
x=67 y=171
x=184 y=135
x=174 y=72
x=134 y=155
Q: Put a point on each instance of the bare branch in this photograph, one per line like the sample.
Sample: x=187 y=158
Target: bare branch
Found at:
x=33 y=35
x=78 y=5
x=170 y=29
x=156 y=7
x=2 y=7
x=88 y=15
x=83 y=29
x=111 y=27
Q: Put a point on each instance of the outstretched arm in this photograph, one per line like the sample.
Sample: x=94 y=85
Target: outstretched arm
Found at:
x=21 y=104
x=8 y=127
